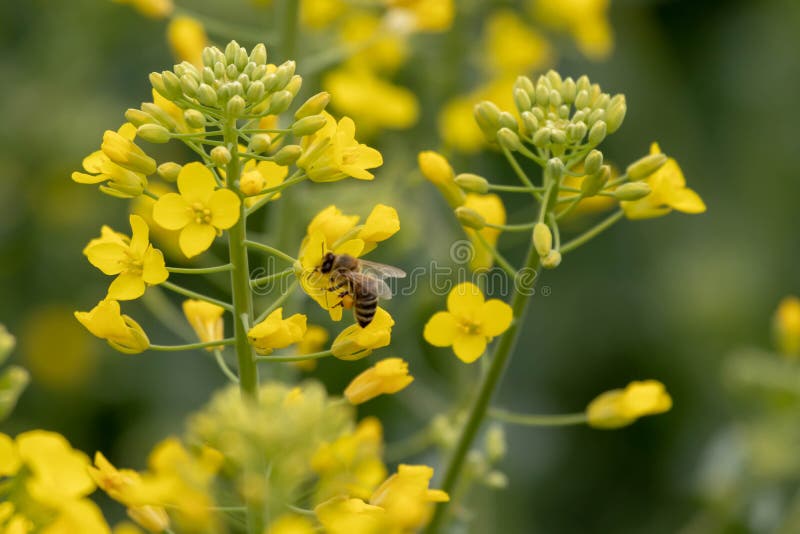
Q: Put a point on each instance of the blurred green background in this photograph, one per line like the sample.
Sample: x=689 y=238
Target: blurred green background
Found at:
x=715 y=82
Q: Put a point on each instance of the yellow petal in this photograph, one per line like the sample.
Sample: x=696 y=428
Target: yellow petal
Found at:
x=441 y=329
x=140 y=236
x=469 y=347
x=154 y=270
x=9 y=459
x=127 y=286
x=83 y=178
x=685 y=200
x=381 y=224
x=495 y=317
x=172 y=212
x=108 y=257
x=196 y=183
x=196 y=238
x=465 y=298
x=224 y=205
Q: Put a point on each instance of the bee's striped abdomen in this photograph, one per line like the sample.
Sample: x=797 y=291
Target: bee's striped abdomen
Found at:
x=364 y=306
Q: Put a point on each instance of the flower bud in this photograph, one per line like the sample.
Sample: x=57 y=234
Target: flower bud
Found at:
x=235 y=106
x=388 y=376
x=208 y=57
x=231 y=50
x=615 y=113
x=207 y=76
x=552 y=260
x=270 y=82
x=260 y=143
x=194 y=118
x=522 y=100
x=563 y=111
x=472 y=183
x=594 y=183
x=644 y=167
x=579 y=130
x=241 y=58
x=542 y=137
x=161 y=116
x=206 y=95
x=137 y=117
x=244 y=81
x=256 y=91
x=525 y=83
x=231 y=72
x=594 y=116
x=581 y=100
x=568 y=91
x=308 y=125
x=189 y=86
x=126 y=153
x=169 y=171
x=152 y=518
x=221 y=156
x=584 y=84
x=153 y=133
x=554 y=169
x=542 y=239
x=251 y=183
x=507 y=120
x=542 y=95
x=294 y=85
x=287 y=155
x=508 y=139
x=558 y=136
x=157 y=81
x=632 y=191
x=597 y=133
x=530 y=122
x=592 y=162
x=487 y=115
x=280 y=102
x=313 y=106
x=258 y=54
x=172 y=84
x=555 y=98
x=437 y=170
x=470 y=218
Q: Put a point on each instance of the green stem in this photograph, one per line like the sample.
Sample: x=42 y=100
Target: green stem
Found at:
x=521 y=173
x=538 y=420
x=295 y=358
x=195 y=295
x=242 y=303
x=512 y=227
x=515 y=188
x=290 y=15
x=223 y=365
x=200 y=270
x=255 y=282
x=192 y=346
x=270 y=250
x=480 y=403
x=501 y=261
x=590 y=234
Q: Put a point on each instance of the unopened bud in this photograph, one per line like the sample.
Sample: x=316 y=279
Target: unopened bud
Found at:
x=294 y=85
x=161 y=116
x=581 y=100
x=189 y=85
x=632 y=191
x=137 y=117
x=568 y=91
x=153 y=133
x=157 y=81
x=260 y=143
x=508 y=139
x=615 y=113
x=597 y=133
x=207 y=76
x=558 y=136
x=472 y=183
x=522 y=100
x=542 y=239
x=594 y=183
x=287 y=155
x=555 y=98
x=552 y=260
x=542 y=137
x=525 y=83
x=221 y=156
x=207 y=95
x=172 y=84
x=280 y=102
x=241 y=59
x=194 y=118
x=487 y=115
x=470 y=218
x=592 y=162
x=542 y=95
x=313 y=106
x=208 y=56
x=507 y=120
x=169 y=171
x=251 y=183
x=554 y=169
x=235 y=106
x=284 y=73
x=258 y=54
x=230 y=52
x=530 y=122
x=256 y=91
x=308 y=125
x=644 y=167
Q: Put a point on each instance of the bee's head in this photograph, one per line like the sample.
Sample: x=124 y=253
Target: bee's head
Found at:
x=327 y=263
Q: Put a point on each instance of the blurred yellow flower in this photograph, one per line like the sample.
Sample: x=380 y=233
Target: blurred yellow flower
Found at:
x=470 y=322
x=121 y=485
x=342 y=515
x=120 y=331
x=425 y=15
x=512 y=46
x=669 y=192
x=621 y=407
x=134 y=260
x=318 y=14
x=406 y=498
x=200 y=211
x=437 y=170
x=187 y=39
x=126 y=528
x=155 y=9
x=352 y=464
x=388 y=376
x=205 y=319
x=59 y=472
x=119 y=181
x=786 y=326
x=291 y=524
x=313 y=341
x=332 y=153
x=373 y=102
x=275 y=332
x=586 y=20
x=355 y=342
x=491 y=208
x=376 y=46
x=152 y=518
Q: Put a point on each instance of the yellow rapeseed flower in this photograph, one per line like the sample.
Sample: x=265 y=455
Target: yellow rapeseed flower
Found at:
x=491 y=208
x=318 y=14
x=586 y=20
x=621 y=407
x=512 y=46
x=200 y=211
x=275 y=332
x=407 y=499
x=120 y=331
x=313 y=341
x=437 y=170
x=669 y=192
x=355 y=342
x=425 y=15
x=343 y=515
x=291 y=524
x=786 y=326
x=187 y=39
x=133 y=259
x=470 y=322
x=377 y=47
x=205 y=319
x=122 y=485
x=332 y=153
x=388 y=376
x=124 y=152
x=155 y=9
x=118 y=181
x=257 y=176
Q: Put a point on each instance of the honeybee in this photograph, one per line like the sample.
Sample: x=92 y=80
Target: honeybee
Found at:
x=357 y=287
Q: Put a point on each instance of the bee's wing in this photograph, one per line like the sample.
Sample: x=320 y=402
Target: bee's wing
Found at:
x=371 y=284
x=385 y=271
